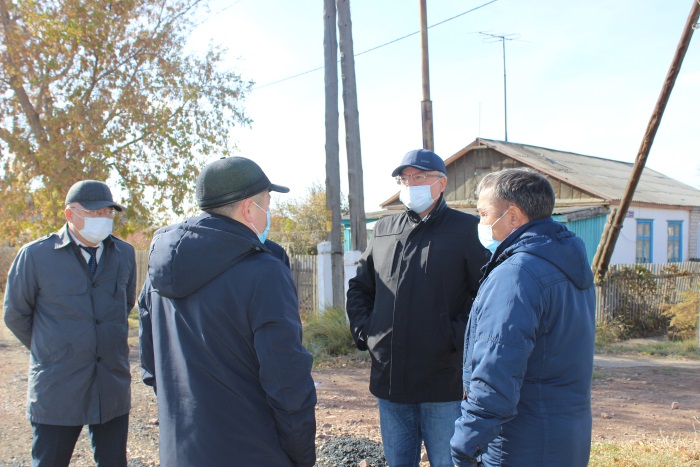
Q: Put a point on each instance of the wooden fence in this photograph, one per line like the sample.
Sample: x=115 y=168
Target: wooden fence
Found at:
x=303 y=272
x=305 y=277
x=141 y=270
x=638 y=292
x=629 y=291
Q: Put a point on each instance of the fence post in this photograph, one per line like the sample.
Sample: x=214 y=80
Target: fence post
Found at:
x=351 y=260
x=325 y=276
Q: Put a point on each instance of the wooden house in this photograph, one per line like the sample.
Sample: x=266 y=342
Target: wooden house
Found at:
x=661 y=225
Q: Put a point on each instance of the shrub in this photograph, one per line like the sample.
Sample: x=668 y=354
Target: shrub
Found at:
x=328 y=334
x=610 y=332
x=683 y=317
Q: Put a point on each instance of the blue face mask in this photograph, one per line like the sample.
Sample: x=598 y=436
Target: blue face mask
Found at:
x=262 y=236
x=417 y=198
x=486 y=234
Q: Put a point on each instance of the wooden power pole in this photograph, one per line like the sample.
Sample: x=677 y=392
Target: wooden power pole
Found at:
x=330 y=54
x=358 y=223
x=612 y=228
x=426 y=104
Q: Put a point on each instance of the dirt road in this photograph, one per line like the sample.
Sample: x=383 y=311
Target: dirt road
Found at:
x=632 y=399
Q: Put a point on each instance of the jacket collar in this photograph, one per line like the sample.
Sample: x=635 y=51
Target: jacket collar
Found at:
x=504 y=250
x=227 y=224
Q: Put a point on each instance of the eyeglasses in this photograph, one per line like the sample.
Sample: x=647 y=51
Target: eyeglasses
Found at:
x=417 y=178
x=103 y=212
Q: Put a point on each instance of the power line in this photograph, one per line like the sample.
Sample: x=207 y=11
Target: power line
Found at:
x=379 y=46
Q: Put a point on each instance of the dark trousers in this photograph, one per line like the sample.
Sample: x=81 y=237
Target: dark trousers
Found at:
x=53 y=444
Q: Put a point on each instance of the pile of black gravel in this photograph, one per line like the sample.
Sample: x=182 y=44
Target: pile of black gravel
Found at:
x=349 y=451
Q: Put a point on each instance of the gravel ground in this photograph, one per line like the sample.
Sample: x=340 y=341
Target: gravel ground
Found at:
x=633 y=399
x=339 y=414
x=349 y=451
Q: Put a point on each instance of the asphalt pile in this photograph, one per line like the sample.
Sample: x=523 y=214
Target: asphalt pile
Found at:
x=349 y=451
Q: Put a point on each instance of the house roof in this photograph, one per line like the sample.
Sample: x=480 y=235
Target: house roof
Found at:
x=603 y=178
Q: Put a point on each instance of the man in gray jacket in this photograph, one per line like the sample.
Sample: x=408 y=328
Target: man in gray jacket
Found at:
x=67 y=299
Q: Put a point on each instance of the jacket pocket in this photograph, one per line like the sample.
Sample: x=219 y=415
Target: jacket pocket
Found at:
x=446 y=328
x=44 y=356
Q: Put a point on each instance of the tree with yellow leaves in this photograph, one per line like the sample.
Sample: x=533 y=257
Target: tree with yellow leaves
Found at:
x=105 y=89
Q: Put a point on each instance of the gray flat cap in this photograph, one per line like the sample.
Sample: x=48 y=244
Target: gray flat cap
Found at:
x=231 y=179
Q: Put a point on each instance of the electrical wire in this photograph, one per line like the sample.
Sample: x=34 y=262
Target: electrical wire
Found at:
x=377 y=47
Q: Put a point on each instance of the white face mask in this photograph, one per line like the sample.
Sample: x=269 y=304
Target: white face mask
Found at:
x=95 y=229
x=417 y=198
x=485 y=233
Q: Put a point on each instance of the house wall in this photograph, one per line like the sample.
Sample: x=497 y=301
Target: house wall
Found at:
x=625 y=248
x=588 y=230
x=693 y=234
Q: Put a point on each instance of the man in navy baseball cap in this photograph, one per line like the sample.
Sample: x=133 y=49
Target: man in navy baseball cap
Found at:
x=408 y=305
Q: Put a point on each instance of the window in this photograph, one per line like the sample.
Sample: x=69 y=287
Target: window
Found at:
x=675 y=241
x=644 y=229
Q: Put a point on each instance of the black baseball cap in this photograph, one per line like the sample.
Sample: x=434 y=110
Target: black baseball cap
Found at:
x=231 y=179
x=92 y=195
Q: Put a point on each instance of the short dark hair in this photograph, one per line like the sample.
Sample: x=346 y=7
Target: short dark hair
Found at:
x=525 y=188
x=228 y=209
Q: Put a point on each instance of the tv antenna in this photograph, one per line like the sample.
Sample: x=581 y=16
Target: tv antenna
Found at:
x=502 y=38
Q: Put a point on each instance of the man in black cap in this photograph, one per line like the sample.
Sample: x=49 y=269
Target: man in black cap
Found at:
x=67 y=299
x=220 y=332
x=408 y=305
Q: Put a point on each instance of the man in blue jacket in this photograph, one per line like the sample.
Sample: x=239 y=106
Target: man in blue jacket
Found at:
x=220 y=333
x=528 y=357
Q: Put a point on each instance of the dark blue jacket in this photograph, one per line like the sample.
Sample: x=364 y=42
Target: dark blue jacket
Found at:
x=221 y=341
x=528 y=358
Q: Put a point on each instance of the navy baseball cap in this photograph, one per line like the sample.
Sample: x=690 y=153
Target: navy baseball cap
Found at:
x=421 y=159
x=92 y=195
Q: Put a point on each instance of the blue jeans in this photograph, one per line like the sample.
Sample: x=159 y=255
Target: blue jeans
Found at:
x=405 y=426
x=53 y=444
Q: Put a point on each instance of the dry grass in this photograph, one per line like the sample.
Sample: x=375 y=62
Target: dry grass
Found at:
x=662 y=451
x=652 y=347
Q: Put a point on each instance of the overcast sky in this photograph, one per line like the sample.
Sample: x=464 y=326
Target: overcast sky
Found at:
x=582 y=76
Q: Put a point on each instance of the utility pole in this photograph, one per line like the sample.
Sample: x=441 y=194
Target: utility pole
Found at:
x=330 y=55
x=426 y=104
x=503 y=38
x=356 y=196
x=617 y=217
